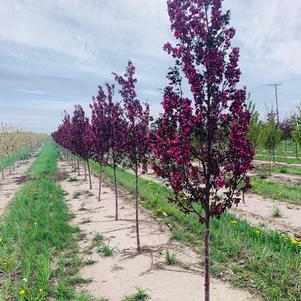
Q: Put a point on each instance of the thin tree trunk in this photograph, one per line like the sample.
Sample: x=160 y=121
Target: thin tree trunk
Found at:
x=9 y=169
x=78 y=168
x=89 y=171
x=115 y=187
x=207 y=255
x=296 y=150
x=2 y=168
x=99 y=189
x=137 y=209
x=85 y=168
x=243 y=197
x=269 y=164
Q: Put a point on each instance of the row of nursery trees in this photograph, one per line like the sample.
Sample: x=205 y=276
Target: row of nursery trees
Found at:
x=199 y=144
x=15 y=145
x=269 y=134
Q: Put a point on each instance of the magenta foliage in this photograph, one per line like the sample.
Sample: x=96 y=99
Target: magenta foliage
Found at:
x=286 y=127
x=99 y=131
x=78 y=135
x=63 y=135
x=137 y=117
x=108 y=126
x=117 y=127
x=88 y=142
x=201 y=145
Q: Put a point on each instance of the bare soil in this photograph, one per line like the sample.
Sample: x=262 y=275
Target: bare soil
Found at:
x=260 y=162
x=118 y=275
x=11 y=183
x=258 y=210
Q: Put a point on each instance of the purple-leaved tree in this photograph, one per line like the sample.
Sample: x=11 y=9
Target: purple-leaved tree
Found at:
x=99 y=133
x=201 y=144
x=89 y=147
x=116 y=131
x=136 y=138
x=77 y=135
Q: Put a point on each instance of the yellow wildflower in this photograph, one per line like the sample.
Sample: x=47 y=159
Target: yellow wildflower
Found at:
x=22 y=292
x=257 y=232
x=233 y=222
x=293 y=241
x=41 y=290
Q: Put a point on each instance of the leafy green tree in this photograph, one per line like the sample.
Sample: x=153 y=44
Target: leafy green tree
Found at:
x=296 y=129
x=270 y=136
x=255 y=124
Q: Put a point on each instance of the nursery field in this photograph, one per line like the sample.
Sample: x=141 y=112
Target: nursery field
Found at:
x=180 y=188
x=69 y=247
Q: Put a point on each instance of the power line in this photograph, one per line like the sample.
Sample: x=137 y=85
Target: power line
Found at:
x=276 y=85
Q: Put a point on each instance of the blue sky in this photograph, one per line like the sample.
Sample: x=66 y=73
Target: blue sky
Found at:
x=54 y=53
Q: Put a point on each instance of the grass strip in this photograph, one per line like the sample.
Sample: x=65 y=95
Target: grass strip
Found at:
x=38 y=247
x=282 y=192
x=287 y=170
x=260 y=260
x=23 y=154
x=278 y=159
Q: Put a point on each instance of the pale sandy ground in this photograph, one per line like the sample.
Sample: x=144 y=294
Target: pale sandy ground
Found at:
x=258 y=210
x=259 y=162
x=117 y=276
x=11 y=183
x=283 y=178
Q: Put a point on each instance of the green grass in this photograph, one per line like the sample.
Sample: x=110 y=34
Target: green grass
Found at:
x=22 y=155
x=76 y=194
x=287 y=170
x=283 y=159
x=106 y=250
x=276 y=211
x=287 y=148
x=38 y=246
x=282 y=192
x=45 y=164
x=170 y=257
x=262 y=261
x=97 y=239
x=140 y=295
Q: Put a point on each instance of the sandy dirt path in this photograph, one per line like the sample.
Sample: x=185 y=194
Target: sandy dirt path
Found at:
x=283 y=178
x=258 y=210
x=11 y=183
x=260 y=162
x=116 y=276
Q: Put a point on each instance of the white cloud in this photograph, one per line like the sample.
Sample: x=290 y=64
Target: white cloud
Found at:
x=53 y=50
x=268 y=33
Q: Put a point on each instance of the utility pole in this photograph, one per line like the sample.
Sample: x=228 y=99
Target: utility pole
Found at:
x=276 y=85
